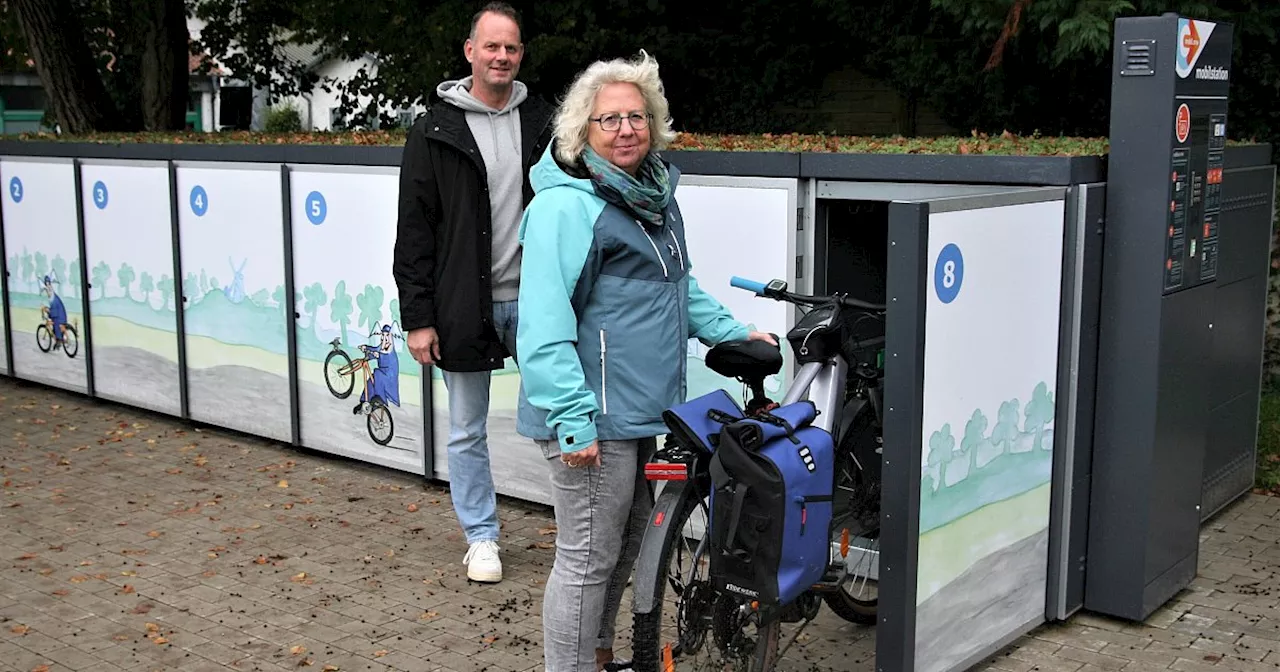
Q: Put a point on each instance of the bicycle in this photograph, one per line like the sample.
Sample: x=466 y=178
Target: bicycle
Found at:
x=46 y=341
x=340 y=377
x=841 y=371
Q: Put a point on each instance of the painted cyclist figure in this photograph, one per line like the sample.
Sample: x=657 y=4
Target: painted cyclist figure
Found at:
x=55 y=312
x=384 y=383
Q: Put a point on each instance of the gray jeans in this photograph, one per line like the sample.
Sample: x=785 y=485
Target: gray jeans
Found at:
x=600 y=515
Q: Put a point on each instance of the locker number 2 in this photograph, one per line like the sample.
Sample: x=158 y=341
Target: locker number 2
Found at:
x=15 y=189
x=948 y=273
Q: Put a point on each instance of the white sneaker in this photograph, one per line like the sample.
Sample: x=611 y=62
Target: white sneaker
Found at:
x=482 y=562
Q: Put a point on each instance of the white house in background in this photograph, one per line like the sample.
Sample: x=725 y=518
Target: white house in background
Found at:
x=227 y=102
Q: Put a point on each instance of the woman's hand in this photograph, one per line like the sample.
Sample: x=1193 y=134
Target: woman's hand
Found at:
x=762 y=336
x=587 y=457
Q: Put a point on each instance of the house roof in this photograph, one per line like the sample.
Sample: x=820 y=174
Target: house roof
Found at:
x=308 y=55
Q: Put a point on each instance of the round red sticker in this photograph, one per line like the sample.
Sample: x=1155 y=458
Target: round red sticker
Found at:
x=1183 y=125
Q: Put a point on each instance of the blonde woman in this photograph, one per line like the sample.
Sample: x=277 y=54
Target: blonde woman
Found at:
x=609 y=306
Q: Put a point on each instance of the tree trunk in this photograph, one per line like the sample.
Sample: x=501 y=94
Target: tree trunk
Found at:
x=56 y=42
x=160 y=42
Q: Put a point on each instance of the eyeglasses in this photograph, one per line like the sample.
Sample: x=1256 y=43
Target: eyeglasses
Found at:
x=613 y=121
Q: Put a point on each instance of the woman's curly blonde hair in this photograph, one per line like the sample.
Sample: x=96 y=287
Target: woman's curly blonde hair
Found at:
x=575 y=110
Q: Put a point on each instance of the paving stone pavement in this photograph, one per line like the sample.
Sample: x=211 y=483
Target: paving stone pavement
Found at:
x=133 y=541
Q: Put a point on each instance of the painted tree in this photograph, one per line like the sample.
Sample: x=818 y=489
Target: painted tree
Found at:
x=395 y=310
x=59 y=268
x=101 y=273
x=340 y=308
x=29 y=271
x=278 y=296
x=1039 y=412
x=125 y=275
x=213 y=286
x=974 y=431
x=314 y=297
x=73 y=285
x=146 y=285
x=165 y=287
x=1005 y=433
x=42 y=267
x=15 y=265
x=370 y=302
x=941 y=444
x=191 y=286
x=260 y=297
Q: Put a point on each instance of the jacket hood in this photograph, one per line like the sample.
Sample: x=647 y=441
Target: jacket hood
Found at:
x=458 y=92
x=548 y=173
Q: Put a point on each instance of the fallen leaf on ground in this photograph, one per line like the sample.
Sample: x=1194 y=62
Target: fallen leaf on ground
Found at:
x=542 y=544
x=547 y=530
x=413 y=508
x=490 y=639
x=160 y=640
x=141 y=608
x=27 y=556
x=128 y=572
x=62 y=592
x=128 y=589
x=79 y=578
x=306 y=662
x=298 y=578
x=154 y=534
x=330 y=668
x=173 y=470
x=428 y=615
x=201 y=460
x=121 y=638
x=19 y=629
x=298 y=650
x=46 y=571
x=86 y=563
x=380 y=653
x=40 y=668
x=282 y=484
x=209 y=574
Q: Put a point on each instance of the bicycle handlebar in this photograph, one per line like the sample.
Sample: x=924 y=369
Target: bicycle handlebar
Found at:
x=762 y=289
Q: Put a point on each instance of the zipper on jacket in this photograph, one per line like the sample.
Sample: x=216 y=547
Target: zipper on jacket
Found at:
x=679 y=251
x=656 y=251
x=604 y=378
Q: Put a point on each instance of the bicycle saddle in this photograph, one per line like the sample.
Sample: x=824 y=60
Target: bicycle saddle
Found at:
x=745 y=360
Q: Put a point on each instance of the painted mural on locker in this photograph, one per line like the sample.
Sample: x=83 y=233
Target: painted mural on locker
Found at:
x=760 y=217
x=988 y=427
x=133 y=299
x=43 y=248
x=231 y=229
x=360 y=390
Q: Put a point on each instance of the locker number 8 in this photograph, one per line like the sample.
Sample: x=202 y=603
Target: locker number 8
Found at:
x=948 y=273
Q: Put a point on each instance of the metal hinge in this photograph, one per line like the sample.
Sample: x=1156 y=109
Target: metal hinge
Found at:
x=799 y=267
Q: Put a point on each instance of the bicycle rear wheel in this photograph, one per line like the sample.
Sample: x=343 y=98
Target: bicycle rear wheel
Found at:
x=857 y=509
x=682 y=624
x=70 y=341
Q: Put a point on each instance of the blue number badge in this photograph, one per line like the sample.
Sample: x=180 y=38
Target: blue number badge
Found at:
x=317 y=209
x=948 y=273
x=199 y=201
x=100 y=195
x=15 y=189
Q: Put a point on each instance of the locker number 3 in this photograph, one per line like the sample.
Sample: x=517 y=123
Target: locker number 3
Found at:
x=948 y=273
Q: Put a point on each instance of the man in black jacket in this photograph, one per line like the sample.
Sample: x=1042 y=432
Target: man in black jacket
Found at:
x=463 y=186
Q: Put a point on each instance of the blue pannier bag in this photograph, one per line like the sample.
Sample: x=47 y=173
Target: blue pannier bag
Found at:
x=772 y=480
x=696 y=423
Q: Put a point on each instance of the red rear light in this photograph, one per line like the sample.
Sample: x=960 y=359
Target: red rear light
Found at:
x=666 y=471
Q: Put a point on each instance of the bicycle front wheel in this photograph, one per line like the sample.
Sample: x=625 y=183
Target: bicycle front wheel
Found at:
x=338 y=376
x=70 y=341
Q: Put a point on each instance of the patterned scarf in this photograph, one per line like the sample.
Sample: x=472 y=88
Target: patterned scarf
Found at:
x=646 y=195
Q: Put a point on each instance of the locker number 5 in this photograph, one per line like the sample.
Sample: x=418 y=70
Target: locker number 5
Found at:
x=317 y=209
x=948 y=273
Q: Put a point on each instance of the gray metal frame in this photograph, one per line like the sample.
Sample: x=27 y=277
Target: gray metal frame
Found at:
x=291 y=323
x=4 y=294
x=87 y=336
x=180 y=300
x=1077 y=361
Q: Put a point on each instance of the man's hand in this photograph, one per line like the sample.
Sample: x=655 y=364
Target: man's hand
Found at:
x=587 y=457
x=424 y=345
x=761 y=336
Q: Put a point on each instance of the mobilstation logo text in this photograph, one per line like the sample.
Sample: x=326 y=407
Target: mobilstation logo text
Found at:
x=1212 y=72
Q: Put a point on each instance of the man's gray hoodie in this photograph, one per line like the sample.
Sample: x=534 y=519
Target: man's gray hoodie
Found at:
x=497 y=133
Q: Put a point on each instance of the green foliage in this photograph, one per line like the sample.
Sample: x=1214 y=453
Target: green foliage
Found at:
x=165 y=287
x=73 y=279
x=42 y=265
x=1039 y=412
x=146 y=284
x=340 y=308
x=941 y=445
x=283 y=119
x=1006 y=430
x=315 y=297
x=125 y=275
x=101 y=273
x=59 y=268
x=1268 y=477
x=370 y=303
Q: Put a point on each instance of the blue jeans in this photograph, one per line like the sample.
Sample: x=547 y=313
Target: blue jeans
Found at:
x=470 y=481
